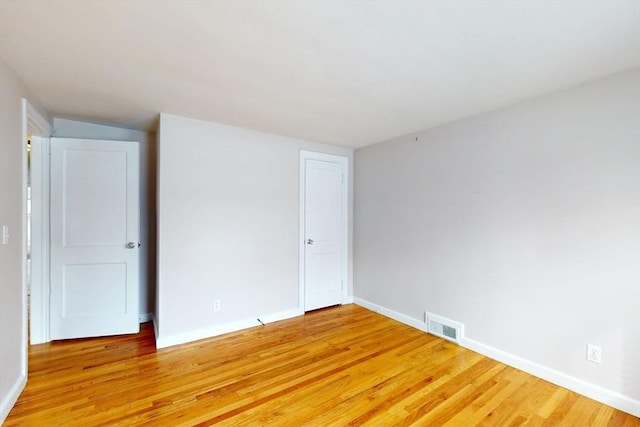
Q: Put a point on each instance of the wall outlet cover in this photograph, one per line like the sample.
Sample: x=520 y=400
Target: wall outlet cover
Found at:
x=594 y=353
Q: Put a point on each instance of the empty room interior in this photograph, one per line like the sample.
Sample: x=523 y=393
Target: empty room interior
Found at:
x=320 y=213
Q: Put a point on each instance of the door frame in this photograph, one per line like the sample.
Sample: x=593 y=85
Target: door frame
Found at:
x=39 y=314
x=33 y=123
x=344 y=161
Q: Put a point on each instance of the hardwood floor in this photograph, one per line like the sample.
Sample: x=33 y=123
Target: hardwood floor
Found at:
x=339 y=366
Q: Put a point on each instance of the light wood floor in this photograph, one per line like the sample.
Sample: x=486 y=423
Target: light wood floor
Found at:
x=340 y=366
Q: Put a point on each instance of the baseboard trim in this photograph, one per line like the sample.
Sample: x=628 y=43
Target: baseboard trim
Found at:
x=402 y=318
x=146 y=317
x=155 y=326
x=12 y=397
x=595 y=392
x=171 y=340
x=281 y=315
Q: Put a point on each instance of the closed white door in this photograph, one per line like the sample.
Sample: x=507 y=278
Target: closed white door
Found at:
x=94 y=238
x=324 y=240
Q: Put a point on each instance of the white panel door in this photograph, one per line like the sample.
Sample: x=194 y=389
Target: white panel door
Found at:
x=324 y=232
x=94 y=238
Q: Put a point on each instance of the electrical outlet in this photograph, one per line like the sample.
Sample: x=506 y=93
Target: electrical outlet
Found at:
x=594 y=353
x=216 y=305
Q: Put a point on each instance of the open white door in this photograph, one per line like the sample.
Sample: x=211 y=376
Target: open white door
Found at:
x=94 y=238
x=324 y=204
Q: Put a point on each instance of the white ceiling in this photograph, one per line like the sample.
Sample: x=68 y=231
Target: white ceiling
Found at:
x=349 y=73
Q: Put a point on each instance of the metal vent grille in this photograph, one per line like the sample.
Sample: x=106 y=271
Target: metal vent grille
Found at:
x=443 y=327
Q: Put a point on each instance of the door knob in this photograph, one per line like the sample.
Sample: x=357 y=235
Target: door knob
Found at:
x=309 y=242
x=131 y=245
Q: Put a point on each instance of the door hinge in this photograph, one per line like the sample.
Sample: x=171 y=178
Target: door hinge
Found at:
x=342 y=285
x=343 y=178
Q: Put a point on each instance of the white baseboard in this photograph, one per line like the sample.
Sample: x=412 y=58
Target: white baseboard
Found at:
x=282 y=315
x=146 y=317
x=162 y=342
x=595 y=392
x=391 y=314
x=155 y=326
x=12 y=397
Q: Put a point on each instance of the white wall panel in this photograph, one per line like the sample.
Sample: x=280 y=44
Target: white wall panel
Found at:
x=523 y=224
x=228 y=201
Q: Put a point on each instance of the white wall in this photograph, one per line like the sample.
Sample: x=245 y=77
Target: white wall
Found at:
x=524 y=224
x=66 y=128
x=227 y=225
x=12 y=290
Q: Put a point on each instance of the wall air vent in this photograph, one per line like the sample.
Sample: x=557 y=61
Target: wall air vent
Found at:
x=443 y=327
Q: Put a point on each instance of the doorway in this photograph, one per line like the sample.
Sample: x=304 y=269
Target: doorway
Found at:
x=323 y=230
x=85 y=194
x=37 y=130
x=38 y=240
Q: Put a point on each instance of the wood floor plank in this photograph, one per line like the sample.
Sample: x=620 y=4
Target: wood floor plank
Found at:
x=341 y=366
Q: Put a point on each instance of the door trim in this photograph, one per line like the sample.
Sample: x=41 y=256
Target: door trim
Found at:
x=344 y=161
x=33 y=123
x=39 y=314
